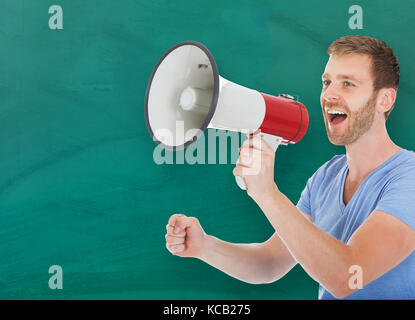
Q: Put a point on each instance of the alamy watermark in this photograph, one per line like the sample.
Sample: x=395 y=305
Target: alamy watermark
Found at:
x=222 y=147
x=56 y=20
x=56 y=280
x=212 y=147
x=356 y=20
x=356 y=280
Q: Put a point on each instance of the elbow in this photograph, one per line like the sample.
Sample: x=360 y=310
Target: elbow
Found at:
x=275 y=274
x=277 y=269
x=255 y=280
x=341 y=288
x=263 y=281
x=272 y=278
x=265 y=277
x=340 y=293
x=348 y=279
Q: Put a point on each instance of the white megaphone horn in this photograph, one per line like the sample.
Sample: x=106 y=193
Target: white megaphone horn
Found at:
x=185 y=86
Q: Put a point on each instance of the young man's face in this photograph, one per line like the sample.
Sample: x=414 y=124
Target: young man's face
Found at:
x=347 y=97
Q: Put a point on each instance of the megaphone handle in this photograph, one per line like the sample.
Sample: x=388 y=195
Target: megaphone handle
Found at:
x=273 y=142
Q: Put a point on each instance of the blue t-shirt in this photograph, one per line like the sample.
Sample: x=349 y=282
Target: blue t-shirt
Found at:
x=389 y=188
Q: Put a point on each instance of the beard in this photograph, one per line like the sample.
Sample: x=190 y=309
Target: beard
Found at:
x=359 y=122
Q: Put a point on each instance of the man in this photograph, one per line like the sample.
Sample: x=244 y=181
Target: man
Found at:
x=356 y=214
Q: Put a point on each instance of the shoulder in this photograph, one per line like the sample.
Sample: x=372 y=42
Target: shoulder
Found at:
x=329 y=169
x=334 y=165
x=403 y=167
x=408 y=158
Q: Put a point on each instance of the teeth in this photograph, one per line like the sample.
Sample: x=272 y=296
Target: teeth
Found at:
x=335 y=112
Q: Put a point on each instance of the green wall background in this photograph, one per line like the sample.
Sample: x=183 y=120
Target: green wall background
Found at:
x=78 y=184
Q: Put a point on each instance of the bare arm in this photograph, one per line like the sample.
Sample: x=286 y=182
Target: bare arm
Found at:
x=252 y=262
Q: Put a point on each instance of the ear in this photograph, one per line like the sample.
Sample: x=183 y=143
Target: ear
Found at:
x=386 y=99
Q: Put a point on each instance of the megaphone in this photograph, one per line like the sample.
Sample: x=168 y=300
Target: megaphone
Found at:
x=185 y=86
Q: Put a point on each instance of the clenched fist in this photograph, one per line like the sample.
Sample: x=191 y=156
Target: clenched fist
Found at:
x=185 y=237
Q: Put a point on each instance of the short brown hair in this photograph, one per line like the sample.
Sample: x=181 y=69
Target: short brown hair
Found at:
x=385 y=67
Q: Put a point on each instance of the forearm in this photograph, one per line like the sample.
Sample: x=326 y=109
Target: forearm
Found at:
x=326 y=259
x=250 y=263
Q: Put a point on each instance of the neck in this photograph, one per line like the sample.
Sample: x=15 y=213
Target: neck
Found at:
x=369 y=151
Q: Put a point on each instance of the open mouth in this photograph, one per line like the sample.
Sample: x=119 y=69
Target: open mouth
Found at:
x=336 y=117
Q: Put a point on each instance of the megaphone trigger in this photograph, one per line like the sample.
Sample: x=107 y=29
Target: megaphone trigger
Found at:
x=271 y=140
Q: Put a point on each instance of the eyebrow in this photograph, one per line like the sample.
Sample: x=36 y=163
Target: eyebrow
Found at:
x=342 y=76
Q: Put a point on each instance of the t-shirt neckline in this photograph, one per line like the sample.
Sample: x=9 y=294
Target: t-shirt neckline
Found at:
x=343 y=179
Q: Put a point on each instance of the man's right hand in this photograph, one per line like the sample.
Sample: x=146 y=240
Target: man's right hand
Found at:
x=185 y=237
x=250 y=262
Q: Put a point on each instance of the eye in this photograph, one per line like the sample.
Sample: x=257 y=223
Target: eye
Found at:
x=348 y=84
x=326 y=82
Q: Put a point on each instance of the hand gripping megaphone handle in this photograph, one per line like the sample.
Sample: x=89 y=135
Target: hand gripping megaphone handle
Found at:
x=273 y=142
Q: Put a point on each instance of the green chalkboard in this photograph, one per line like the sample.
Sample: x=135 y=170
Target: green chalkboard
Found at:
x=78 y=184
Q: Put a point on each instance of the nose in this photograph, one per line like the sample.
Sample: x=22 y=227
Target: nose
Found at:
x=330 y=94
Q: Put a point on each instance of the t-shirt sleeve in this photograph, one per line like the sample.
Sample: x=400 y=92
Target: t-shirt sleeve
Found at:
x=303 y=203
x=308 y=196
x=398 y=197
